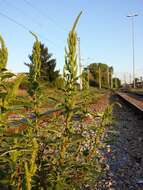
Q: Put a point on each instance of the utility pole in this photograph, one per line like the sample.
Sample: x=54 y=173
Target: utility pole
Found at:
x=133 y=44
x=79 y=63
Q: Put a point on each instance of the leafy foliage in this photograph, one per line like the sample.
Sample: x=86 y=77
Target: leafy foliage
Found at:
x=7 y=92
x=116 y=82
x=59 y=82
x=19 y=150
x=101 y=74
x=48 y=64
x=3 y=54
x=55 y=152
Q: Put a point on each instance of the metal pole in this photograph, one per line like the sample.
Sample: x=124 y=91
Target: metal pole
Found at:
x=134 y=84
x=133 y=46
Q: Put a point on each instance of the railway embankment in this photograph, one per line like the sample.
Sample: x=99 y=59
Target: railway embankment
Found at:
x=124 y=153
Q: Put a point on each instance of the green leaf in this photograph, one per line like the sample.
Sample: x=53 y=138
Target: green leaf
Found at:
x=6 y=75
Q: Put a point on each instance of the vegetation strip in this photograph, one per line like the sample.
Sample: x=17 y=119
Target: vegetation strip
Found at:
x=61 y=151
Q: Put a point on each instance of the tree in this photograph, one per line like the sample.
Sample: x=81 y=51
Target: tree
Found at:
x=110 y=77
x=116 y=82
x=104 y=75
x=136 y=80
x=48 y=64
x=93 y=74
x=101 y=74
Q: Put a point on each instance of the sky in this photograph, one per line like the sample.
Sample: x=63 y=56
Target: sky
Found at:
x=104 y=31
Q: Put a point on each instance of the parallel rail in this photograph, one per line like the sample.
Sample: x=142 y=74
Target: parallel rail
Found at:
x=134 y=101
x=136 y=93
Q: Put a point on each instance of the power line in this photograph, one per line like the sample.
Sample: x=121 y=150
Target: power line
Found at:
x=41 y=12
x=14 y=21
x=23 y=26
x=22 y=11
x=35 y=20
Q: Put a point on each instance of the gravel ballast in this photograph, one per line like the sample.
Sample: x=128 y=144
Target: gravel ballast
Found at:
x=124 y=154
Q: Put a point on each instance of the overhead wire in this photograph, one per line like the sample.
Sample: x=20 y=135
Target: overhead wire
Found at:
x=35 y=20
x=41 y=12
x=22 y=11
x=14 y=21
x=24 y=27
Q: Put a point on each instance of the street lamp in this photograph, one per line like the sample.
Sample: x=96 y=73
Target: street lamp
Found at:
x=133 y=49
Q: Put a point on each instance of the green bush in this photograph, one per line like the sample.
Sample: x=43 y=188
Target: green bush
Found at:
x=59 y=82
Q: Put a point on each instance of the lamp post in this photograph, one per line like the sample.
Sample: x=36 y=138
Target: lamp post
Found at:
x=133 y=49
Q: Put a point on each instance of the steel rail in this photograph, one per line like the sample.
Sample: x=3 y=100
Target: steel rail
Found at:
x=135 y=102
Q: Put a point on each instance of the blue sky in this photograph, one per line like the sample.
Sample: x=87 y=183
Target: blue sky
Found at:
x=104 y=30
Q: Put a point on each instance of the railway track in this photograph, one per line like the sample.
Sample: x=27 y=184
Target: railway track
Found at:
x=133 y=99
x=138 y=93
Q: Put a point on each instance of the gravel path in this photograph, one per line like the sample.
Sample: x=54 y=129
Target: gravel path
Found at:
x=124 y=154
